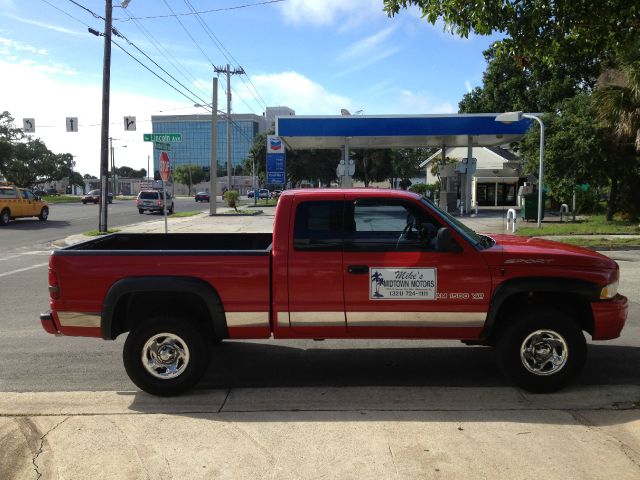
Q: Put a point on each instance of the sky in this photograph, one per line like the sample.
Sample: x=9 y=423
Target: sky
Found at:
x=314 y=56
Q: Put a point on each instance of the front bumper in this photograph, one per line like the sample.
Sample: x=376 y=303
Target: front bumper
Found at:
x=609 y=317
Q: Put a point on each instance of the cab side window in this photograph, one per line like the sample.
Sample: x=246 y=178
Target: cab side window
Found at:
x=318 y=226
x=389 y=225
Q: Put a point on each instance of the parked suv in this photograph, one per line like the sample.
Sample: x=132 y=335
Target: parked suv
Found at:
x=152 y=201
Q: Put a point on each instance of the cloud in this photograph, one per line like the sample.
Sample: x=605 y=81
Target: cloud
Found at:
x=8 y=45
x=330 y=12
x=48 y=26
x=467 y=85
x=298 y=92
x=367 y=45
x=394 y=101
x=372 y=59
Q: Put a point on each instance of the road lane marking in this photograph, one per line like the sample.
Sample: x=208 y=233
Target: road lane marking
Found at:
x=23 y=269
x=34 y=252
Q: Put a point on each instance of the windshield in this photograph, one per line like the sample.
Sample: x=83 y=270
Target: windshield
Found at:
x=479 y=240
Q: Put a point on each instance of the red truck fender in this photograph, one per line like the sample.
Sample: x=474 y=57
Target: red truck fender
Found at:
x=571 y=294
x=125 y=302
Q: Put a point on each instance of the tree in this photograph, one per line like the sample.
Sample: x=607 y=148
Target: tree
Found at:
x=577 y=151
x=508 y=85
x=128 y=172
x=32 y=162
x=618 y=107
x=9 y=135
x=546 y=31
x=189 y=175
x=315 y=164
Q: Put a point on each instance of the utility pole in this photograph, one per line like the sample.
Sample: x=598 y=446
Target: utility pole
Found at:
x=229 y=72
x=213 y=168
x=104 y=136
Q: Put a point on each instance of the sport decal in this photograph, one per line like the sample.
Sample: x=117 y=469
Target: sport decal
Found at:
x=402 y=283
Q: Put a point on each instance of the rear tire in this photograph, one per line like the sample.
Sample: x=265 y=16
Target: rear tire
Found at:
x=543 y=350
x=44 y=214
x=5 y=216
x=166 y=356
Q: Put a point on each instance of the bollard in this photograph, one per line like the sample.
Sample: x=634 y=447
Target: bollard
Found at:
x=511 y=219
x=564 y=211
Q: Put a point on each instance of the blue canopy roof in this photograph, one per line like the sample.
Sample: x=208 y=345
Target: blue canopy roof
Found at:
x=451 y=130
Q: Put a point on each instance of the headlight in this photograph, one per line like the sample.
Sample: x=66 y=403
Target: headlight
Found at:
x=609 y=291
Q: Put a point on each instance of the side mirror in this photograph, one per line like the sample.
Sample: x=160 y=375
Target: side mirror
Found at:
x=445 y=242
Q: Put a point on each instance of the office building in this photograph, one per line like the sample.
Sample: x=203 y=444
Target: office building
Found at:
x=194 y=149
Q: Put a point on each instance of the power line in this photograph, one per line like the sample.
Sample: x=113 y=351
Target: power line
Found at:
x=216 y=41
x=66 y=13
x=95 y=15
x=188 y=33
x=118 y=34
x=167 y=54
x=237 y=7
x=134 y=58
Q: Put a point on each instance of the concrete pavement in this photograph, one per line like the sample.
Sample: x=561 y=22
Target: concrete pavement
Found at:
x=353 y=432
x=583 y=432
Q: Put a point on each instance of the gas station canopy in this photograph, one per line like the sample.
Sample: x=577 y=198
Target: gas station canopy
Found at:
x=398 y=131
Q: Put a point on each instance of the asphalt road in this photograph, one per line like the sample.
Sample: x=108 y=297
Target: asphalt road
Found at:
x=33 y=360
x=72 y=218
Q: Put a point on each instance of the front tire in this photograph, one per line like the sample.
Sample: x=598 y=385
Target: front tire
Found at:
x=543 y=350
x=166 y=356
x=44 y=214
x=140 y=211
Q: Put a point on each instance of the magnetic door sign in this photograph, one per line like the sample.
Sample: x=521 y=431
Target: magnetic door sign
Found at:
x=402 y=283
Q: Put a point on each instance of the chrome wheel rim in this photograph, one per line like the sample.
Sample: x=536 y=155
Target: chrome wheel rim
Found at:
x=45 y=213
x=544 y=352
x=165 y=356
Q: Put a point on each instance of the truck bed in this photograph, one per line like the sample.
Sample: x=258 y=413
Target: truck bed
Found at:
x=232 y=243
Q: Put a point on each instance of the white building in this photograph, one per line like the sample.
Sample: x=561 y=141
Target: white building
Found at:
x=496 y=175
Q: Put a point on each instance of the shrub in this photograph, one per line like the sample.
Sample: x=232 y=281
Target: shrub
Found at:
x=231 y=199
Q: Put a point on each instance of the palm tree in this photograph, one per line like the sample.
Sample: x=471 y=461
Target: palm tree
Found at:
x=618 y=100
x=377 y=278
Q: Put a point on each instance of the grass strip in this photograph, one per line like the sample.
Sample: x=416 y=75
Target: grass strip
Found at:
x=95 y=233
x=594 y=225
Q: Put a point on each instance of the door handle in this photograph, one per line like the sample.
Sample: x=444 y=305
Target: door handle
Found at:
x=358 y=269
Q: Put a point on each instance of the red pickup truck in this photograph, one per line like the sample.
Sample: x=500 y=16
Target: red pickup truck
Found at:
x=360 y=264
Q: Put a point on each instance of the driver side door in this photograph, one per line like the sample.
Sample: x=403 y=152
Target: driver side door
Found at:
x=397 y=283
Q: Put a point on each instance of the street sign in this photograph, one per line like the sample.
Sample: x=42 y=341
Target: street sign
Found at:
x=162 y=146
x=28 y=125
x=72 y=124
x=165 y=166
x=130 y=124
x=162 y=137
